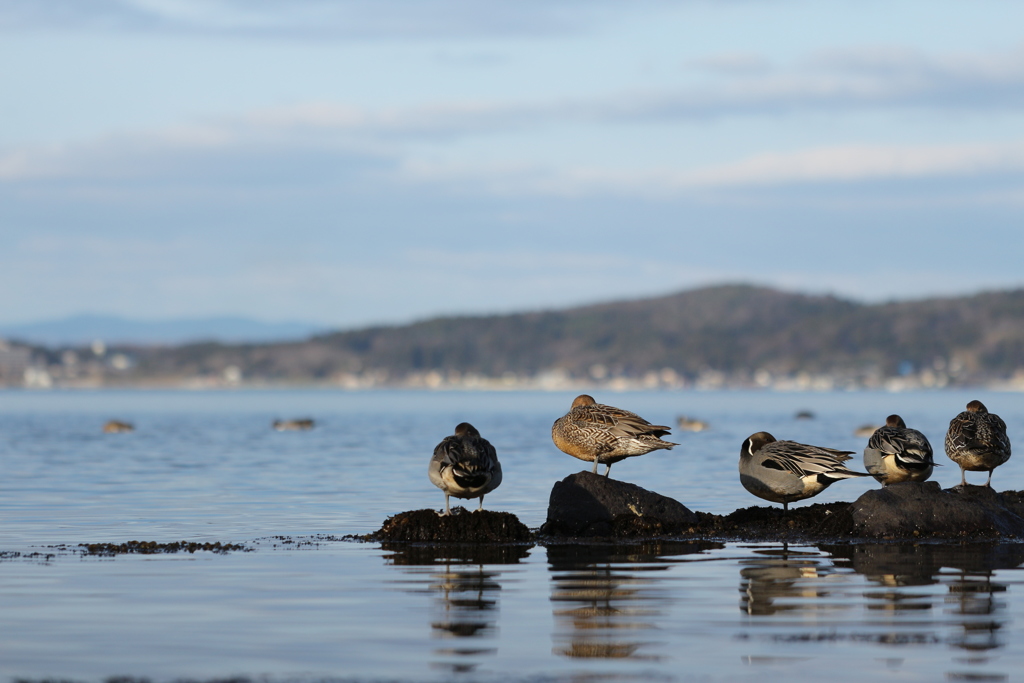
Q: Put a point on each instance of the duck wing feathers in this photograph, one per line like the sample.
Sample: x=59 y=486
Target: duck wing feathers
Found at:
x=616 y=422
x=803 y=460
x=909 y=446
x=976 y=433
x=472 y=459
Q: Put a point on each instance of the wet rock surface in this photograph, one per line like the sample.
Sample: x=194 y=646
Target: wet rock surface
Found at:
x=462 y=526
x=915 y=509
x=766 y=523
x=586 y=504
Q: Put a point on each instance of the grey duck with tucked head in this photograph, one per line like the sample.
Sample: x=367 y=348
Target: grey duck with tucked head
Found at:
x=784 y=471
x=598 y=433
x=977 y=441
x=465 y=465
x=897 y=453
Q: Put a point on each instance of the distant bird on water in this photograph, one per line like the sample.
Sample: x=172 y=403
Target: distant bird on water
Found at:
x=465 y=465
x=784 y=471
x=598 y=433
x=977 y=441
x=896 y=453
x=118 y=427
x=300 y=425
x=691 y=424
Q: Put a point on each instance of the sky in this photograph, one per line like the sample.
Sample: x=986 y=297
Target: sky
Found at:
x=355 y=162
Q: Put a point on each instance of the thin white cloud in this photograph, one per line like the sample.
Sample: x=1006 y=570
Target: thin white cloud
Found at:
x=844 y=164
x=264 y=159
x=305 y=19
x=870 y=78
x=864 y=162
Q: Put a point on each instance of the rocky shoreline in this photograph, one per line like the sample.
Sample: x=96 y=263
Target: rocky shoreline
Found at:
x=585 y=507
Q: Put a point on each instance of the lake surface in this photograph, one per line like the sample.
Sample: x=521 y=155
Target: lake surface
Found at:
x=302 y=605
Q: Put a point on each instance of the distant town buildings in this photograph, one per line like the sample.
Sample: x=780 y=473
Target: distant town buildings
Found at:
x=14 y=361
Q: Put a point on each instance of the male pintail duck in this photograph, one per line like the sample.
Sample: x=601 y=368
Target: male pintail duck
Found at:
x=784 y=471
x=977 y=441
x=602 y=434
x=895 y=453
x=465 y=465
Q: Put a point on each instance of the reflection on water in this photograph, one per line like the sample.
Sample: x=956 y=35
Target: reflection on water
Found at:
x=608 y=598
x=781 y=579
x=466 y=587
x=918 y=595
x=966 y=571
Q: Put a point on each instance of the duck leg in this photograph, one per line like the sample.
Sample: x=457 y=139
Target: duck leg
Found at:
x=447 y=510
x=481 y=506
x=608 y=470
x=963 y=476
x=595 y=466
x=989 y=482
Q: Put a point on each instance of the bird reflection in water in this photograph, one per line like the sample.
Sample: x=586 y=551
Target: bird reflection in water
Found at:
x=466 y=585
x=781 y=579
x=606 y=596
x=972 y=607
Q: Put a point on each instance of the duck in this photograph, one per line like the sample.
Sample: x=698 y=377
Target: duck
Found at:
x=691 y=424
x=897 y=453
x=866 y=430
x=299 y=425
x=118 y=427
x=977 y=441
x=465 y=465
x=597 y=433
x=785 y=471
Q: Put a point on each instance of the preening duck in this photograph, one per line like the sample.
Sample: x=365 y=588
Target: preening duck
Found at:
x=977 y=441
x=897 y=453
x=784 y=471
x=465 y=465
x=598 y=433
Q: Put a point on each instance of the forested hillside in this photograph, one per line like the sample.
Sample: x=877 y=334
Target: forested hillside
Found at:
x=725 y=335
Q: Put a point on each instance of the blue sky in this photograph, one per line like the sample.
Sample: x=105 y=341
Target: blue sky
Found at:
x=382 y=161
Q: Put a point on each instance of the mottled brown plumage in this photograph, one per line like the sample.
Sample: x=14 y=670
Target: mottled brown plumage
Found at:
x=598 y=433
x=977 y=441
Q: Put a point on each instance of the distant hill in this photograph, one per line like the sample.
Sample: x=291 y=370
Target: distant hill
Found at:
x=732 y=335
x=83 y=329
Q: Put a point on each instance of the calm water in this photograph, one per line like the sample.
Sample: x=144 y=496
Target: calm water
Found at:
x=207 y=466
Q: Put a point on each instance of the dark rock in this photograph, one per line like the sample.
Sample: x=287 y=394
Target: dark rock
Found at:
x=462 y=526
x=915 y=509
x=769 y=523
x=586 y=504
